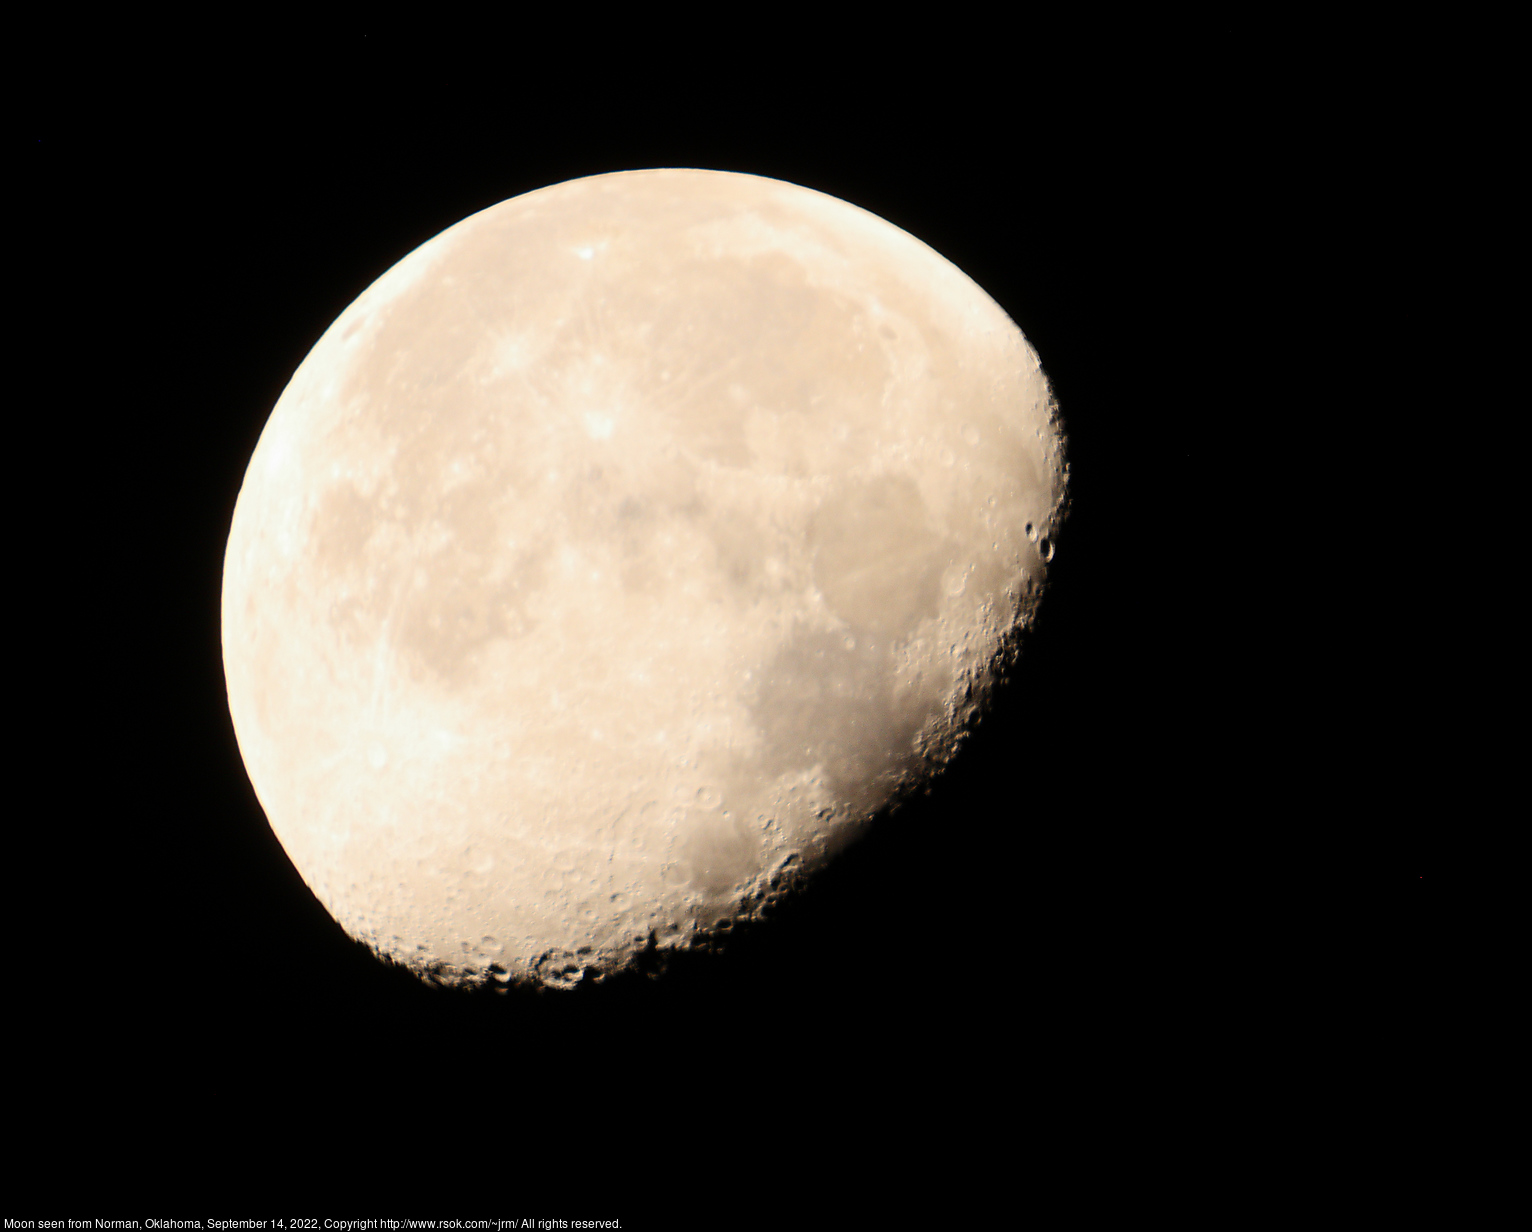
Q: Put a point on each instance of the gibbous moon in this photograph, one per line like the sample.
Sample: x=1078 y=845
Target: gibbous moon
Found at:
x=618 y=555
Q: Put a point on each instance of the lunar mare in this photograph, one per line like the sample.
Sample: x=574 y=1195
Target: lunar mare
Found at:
x=620 y=552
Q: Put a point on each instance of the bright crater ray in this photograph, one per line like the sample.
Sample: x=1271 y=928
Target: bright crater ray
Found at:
x=618 y=554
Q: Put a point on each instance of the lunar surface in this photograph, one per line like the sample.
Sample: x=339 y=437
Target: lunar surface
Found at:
x=617 y=556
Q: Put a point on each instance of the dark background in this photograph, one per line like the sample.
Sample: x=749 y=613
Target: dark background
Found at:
x=1088 y=908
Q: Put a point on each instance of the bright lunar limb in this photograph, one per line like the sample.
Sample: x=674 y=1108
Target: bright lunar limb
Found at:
x=617 y=555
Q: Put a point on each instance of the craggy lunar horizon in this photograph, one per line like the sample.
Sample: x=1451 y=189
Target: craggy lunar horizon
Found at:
x=617 y=556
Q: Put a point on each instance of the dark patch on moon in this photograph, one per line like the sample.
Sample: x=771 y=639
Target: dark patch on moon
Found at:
x=719 y=853
x=877 y=560
x=829 y=700
x=456 y=615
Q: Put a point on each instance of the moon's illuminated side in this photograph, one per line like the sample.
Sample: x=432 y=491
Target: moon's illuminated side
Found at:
x=622 y=549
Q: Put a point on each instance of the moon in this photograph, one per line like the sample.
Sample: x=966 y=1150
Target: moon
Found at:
x=621 y=554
